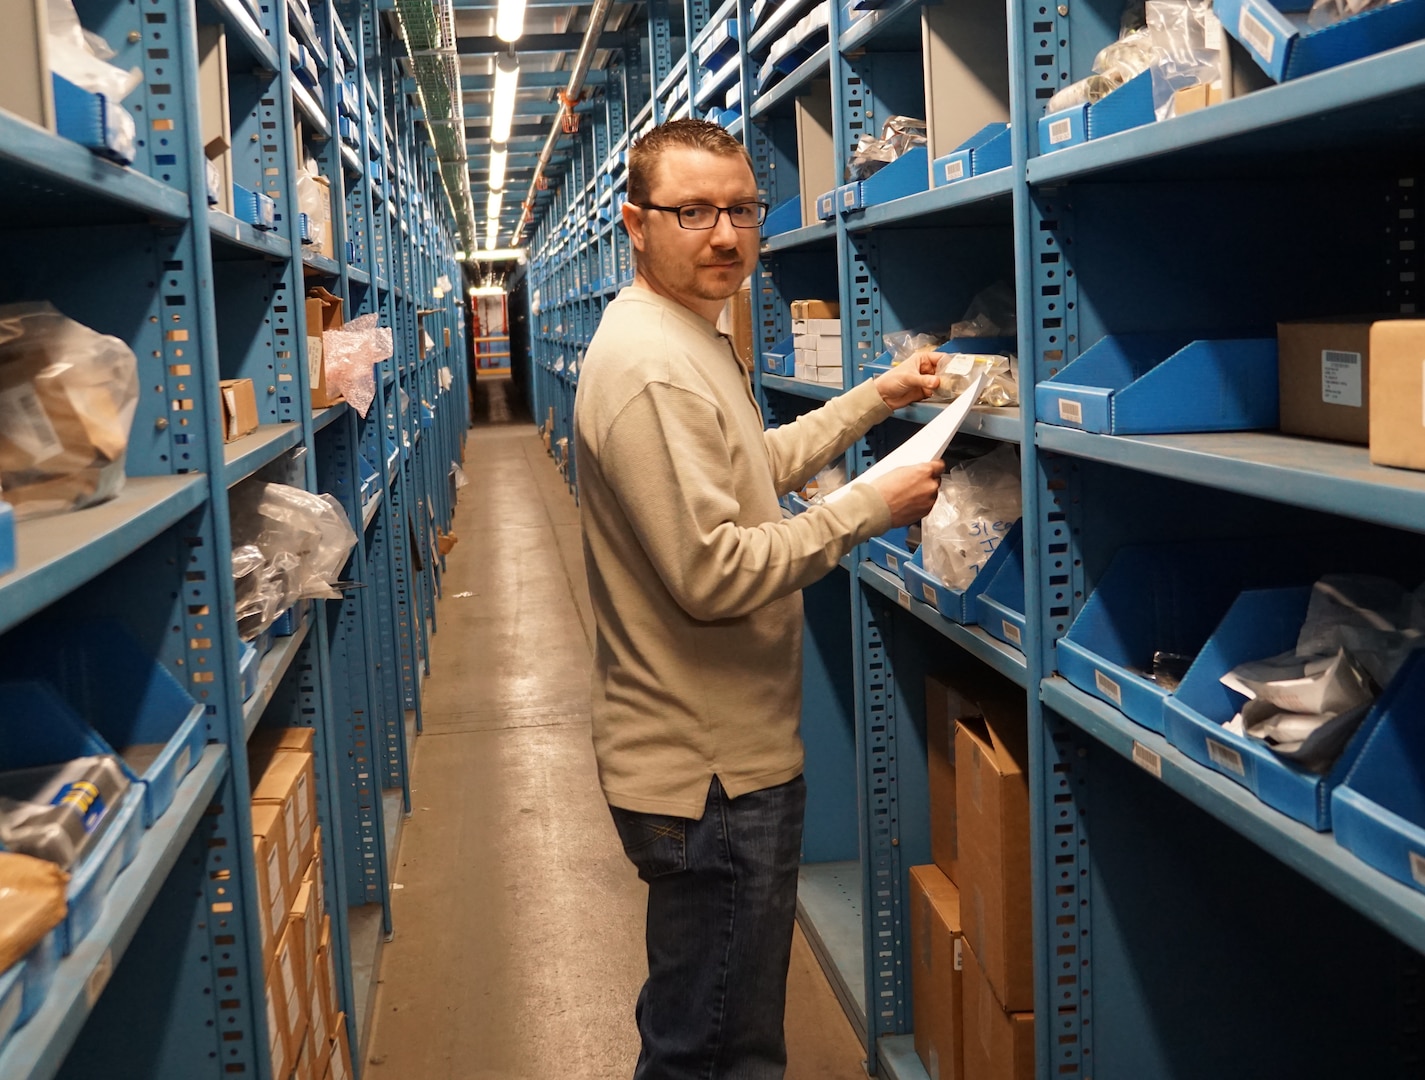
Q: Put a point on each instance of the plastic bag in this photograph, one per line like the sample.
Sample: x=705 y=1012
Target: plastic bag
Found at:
x=1115 y=64
x=350 y=353
x=1326 y=12
x=57 y=812
x=978 y=504
x=958 y=370
x=1187 y=46
x=990 y=314
x=903 y=344
x=314 y=200
x=32 y=903
x=898 y=134
x=1373 y=618
x=67 y=401
x=81 y=57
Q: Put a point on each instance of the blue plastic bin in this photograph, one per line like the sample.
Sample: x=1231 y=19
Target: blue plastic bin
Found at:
x=958 y=605
x=254 y=207
x=38 y=728
x=781 y=360
x=985 y=151
x=40 y=965
x=1279 y=39
x=1130 y=106
x=1378 y=811
x=12 y=1000
x=999 y=609
x=7 y=537
x=1260 y=623
x=248 y=664
x=1152 y=384
x=907 y=175
x=92 y=120
x=287 y=623
x=113 y=685
x=890 y=551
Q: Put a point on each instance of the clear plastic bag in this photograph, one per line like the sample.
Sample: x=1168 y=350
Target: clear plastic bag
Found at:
x=958 y=370
x=1326 y=12
x=350 y=353
x=1373 y=618
x=314 y=200
x=898 y=134
x=903 y=344
x=1187 y=45
x=978 y=504
x=67 y=401
x=82 y=57
x=990 y=314
x=1115 y=64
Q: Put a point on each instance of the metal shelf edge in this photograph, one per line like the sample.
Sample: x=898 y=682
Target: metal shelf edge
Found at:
x=801 y=388
x=245 y=456
x=788 y=85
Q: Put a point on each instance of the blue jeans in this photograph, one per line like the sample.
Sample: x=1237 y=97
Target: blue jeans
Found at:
x=722 y=898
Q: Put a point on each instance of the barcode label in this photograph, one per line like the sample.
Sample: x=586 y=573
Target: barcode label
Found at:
x=1061 y=131
x=962 y=364
x=1256 y=36
x=1011 y=632
x=1147 y=760
x=954 y=170
x=1225 y=756
x=929 y=594
x=1071 y=412
x=848 y=198
x=1417 y=868
x=1341 y=378
x=893 y=564
x=1211 y=32
x=903 y=598
x=1108 y=688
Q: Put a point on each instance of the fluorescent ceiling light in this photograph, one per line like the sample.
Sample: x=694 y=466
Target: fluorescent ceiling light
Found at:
x=491 y=238
x=460 y=256
x=507 y=81
x=497 y=198
x=498 y=156
x=509 y=20
x=487 y=290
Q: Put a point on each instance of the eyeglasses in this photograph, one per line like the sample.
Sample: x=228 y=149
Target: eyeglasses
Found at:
x=701 y=216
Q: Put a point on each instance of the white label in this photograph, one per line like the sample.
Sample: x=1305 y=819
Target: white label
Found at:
x=303 y=807
x=314 y=360
x=954 y=170
x=1417 y=868
x=960 y=365
x=927 y=592
x=1256 y=36
x=1071 y=411
x=294 y=870
x=1060 y=131
x=1147 y=760
x=903 y=598
x=1341 y=378
x=1108 y=688
x=1211 y=32
x=10 y=1011
x=23 y=420
x=959 y=958
x=98 y=978
x=1011 y=632
x=275 y=908
x=1225 y=756
x=893 y=564
x=848 y=198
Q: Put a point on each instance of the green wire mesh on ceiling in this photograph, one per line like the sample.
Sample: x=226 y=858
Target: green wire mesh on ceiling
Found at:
x=428 y=27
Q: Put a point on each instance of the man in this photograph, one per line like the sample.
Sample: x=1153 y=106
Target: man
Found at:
x=695 y=579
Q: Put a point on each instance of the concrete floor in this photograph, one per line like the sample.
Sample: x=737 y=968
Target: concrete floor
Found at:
x=518 y=949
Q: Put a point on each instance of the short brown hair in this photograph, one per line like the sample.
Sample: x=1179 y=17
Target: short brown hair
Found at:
x=644 y=154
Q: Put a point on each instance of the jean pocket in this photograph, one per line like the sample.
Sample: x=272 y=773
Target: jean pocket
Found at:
x=655 y=843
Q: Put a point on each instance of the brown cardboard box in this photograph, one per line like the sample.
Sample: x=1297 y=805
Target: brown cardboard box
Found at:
x=1191 y=98
x=324 y=312
x=286 y=980
x=936 y=992
x=317 y=879
x=992 y=798
x=239 y=408
x=326 y=973
x=269 y=852
x=944 y=705
x=742 y=324
x=1323 y=377
x=306 y=927
x=998 y=1045
x=269 y=740
x=303 y=1071
x=286 y=778
x=1397 y=398
x=318 y=1020
x=277 y=1027
x=815 y=309
x=340 y=1062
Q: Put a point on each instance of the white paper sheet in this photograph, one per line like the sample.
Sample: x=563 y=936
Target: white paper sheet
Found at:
x=927 y=444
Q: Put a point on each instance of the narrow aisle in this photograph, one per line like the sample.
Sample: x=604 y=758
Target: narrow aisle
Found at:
x=519 y=923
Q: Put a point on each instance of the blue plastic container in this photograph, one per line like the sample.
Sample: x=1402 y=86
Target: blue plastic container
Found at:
x=958 y=605
x=1282 y=43
x=1130 y=106
x=781 y=360
x=7 y=537
x=784 y=217
x=38 y=728
x=113 y=685
x=287 y=623
x=828 y=201
x=304 y=225
x=999 y=609
x=12 y=1000
x=720 y=46
x=254 y=207
x=91 y=120
x=1261 y=623
x=40 y=965
x=907 y=175
x=248 y=663
x=1149 y=384
x=889 y=551
x=960 y=164
x=1378 y=811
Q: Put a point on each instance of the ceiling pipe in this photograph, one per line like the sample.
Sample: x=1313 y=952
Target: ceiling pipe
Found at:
x=567 y=100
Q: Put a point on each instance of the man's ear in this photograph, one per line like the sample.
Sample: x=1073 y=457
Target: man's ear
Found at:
x=633 y=222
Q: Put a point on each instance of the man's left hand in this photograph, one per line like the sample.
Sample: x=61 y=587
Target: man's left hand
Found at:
x=912 y=380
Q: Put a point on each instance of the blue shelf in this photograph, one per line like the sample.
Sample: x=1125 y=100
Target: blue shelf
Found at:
x=829 y=912
x=1005 y=659
x=801 y=388
x=243 y=457
x=898 y=1059
x=270 y=670
x=320 y=263
x=358 y=275
x=1391 y=905
x=37 y=1050
x=317 y=125
x=823 y=233
x=369 y=508
x=980 y=200
x=46 y=178
x=874 y=24
x=351 y=161
x=232 y=234
x=307 y=34
x=59 y=553
x=782 y=93
x=247 y=44
x=322 y=417
x=1002 y=424
x=783 y=15
x=1330 y=477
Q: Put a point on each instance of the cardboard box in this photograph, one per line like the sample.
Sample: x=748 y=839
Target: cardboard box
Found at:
x=324 y=312
x=1323 y=378
x=277 y=1028
x=303 y=1070
x=815 y=309
x=319 y=1017
x=340 y=1061
x=239 y=408
x=816 y=325
x=741 y=307
x=316 y=878
x=270 y=740
x=998 y=1045
x=1397 y=394
x=285 y=978
x=992 y=810
x=287 y=779
x=326 y=974
x=944 y=705
x=936 y=945
x=269 y=852
x=305 y=928
x=1192 y=98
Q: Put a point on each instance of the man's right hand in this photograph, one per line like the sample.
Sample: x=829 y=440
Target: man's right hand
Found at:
x=910 y=491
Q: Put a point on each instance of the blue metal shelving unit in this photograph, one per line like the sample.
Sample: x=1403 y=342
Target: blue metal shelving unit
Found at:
x=172 y=973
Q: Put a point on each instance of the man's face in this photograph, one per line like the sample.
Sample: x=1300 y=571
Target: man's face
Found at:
x=698 y=268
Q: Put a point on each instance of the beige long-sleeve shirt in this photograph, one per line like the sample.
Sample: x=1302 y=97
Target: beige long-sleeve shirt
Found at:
x=694 y=573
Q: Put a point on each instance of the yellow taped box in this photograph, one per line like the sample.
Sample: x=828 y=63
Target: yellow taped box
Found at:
x=287 y=778
x=269 y=851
